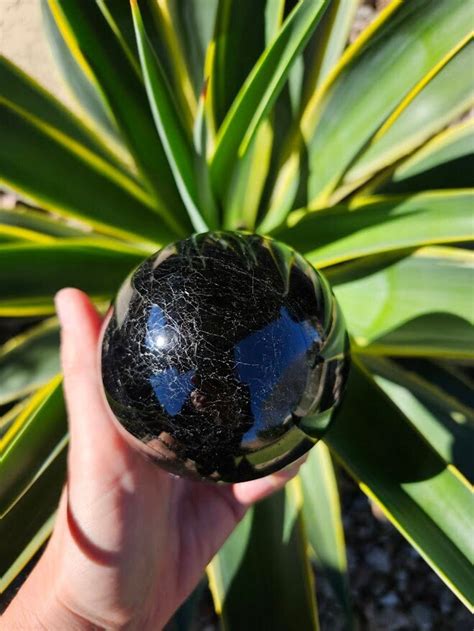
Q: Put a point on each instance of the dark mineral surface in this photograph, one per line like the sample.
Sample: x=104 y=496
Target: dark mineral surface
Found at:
x=224 y=356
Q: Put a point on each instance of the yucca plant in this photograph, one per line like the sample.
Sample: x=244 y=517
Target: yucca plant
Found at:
x=254 y=115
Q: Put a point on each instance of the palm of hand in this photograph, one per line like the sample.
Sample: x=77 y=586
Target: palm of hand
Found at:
x=131 y=541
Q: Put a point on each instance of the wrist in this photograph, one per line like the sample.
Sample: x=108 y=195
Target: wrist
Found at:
x=40 y=604
x=26 y=615
x=37 y=605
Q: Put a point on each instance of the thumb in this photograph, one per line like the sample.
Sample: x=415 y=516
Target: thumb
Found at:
x=93 y=435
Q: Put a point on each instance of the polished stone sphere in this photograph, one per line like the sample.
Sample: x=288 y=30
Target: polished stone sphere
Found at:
x=224 y=356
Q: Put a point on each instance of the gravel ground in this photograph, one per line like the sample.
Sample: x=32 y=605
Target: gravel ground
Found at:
x=392 y=587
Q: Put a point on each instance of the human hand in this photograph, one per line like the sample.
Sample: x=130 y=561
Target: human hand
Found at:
x=130 y=541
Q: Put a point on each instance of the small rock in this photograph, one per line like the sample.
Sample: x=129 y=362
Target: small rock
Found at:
x=365 y=532
x=413 y=553
x=446 y=601
x=352 y=559
x=380 y=585
x=377 y=512
x=347 y=522
x=364 y=16
x=401 y=578
x=391 y=620
x=378 y=559
x=359 y=504
x=362 y=577
x=423 y=616
x=390 y=600
x=417 y=588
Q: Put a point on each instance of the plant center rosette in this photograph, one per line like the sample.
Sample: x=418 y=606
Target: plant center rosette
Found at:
x=224 y=356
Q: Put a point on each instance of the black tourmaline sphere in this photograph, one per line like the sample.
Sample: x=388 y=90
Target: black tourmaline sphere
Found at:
x=224 y=355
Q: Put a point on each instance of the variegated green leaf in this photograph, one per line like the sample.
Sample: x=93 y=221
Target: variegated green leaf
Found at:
x=65 y=263
x=430 y=504
x=262 y=88
x=29 y=360
x=177 y=144
x=31 y=443
x=427 y=394
x=391 y=57
x=95 y=45
x=432 y=280
x=323 y=523
x=380 y=225
x=447 y=161
x=63 y=183
x=438 y=99
x=270 y=536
